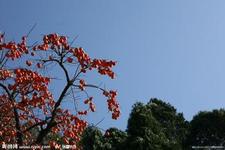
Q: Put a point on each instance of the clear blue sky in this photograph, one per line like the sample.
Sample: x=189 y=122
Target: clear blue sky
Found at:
x=169 y=49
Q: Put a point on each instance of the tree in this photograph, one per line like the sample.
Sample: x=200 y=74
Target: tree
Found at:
x=173 y=124
x=144 y=131
x=92 y=139
x=156 y=125
x=25 y=99
x=207 y=129
x=114 y=139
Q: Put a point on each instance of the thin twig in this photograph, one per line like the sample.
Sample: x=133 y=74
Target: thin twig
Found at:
x=99 y=121
x=31 y=29
x=74 y=40
x=74 y=100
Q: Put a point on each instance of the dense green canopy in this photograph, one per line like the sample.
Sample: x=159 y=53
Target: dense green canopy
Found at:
x=207 y=129
x=158 y=126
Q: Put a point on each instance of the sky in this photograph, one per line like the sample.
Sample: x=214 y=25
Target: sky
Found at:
x=172 y=50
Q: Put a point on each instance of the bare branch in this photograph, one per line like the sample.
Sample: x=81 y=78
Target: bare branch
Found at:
x=31 y=29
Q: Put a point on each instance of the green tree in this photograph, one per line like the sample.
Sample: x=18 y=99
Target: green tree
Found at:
x=207 y=129
x=152 y=126
x=144 y=131
x=92 y=139
x=114 y=139
x=172 y=123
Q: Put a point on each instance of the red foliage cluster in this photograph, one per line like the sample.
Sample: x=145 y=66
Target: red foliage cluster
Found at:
x=24 y=92
x=26 y=79
x=70 y=125
x=113 y=106
x=4 y=74
x=14 y=50
x=91 y=107
x=104 y=67
x=82 y=84
x=82 y=57
x=31 y=92
x=91 y=104
x=7 y=126
x=53 y=41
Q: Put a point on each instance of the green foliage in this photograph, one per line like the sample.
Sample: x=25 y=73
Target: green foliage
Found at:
x=207 y=129
x=114 y=139
x=172 y=123
x=157 y=126
x=53 y=137
x=144 y=131
x=92 y=139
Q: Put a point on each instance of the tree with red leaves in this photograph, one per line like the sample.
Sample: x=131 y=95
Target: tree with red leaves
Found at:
x=26 y=101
